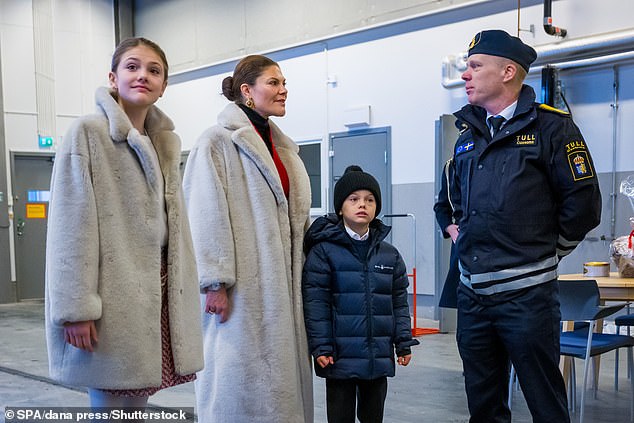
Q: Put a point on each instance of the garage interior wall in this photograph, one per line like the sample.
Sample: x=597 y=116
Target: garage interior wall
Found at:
x=336 y=56
x=66 y=45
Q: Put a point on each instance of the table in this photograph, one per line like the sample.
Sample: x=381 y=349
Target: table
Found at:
x=611 y=288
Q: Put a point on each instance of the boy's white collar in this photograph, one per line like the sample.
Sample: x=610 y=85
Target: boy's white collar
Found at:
x=355 y=235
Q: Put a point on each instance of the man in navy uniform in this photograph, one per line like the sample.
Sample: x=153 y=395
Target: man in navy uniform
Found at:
x=526 y=193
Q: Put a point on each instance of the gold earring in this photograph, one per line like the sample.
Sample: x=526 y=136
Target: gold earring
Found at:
x=250 y=104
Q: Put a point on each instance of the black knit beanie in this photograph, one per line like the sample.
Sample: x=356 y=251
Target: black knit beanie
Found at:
x=354 y=179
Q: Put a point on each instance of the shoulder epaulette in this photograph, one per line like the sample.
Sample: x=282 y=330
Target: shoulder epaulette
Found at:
x=548 y=108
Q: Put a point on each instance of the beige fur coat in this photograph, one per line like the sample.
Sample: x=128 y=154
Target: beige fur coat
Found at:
x=103 y=254
x=249 y=236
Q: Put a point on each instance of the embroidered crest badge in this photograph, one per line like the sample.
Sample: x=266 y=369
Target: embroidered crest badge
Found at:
x=475 y=40
x=580 y=165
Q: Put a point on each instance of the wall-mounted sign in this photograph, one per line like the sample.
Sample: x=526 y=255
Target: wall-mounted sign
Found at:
x=38 y=196
x=44 y=141
x=36 y=211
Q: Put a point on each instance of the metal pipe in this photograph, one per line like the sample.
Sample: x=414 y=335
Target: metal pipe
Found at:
x=615 y=109
x=609 y=48
x=414 y=231
x=548 y=21
x=596 y=61
x=581 y=48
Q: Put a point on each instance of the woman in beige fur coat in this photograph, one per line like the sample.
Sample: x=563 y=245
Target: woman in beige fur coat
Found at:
x=121 y=288
x=248 y=199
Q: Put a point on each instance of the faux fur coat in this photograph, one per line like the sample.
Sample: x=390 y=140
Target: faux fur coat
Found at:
x=103 y=255
x=249 y=236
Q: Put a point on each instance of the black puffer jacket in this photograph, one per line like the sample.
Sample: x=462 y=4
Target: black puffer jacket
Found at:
x=355 y=308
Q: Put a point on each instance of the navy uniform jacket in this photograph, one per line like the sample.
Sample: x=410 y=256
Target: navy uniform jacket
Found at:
x=522 y=200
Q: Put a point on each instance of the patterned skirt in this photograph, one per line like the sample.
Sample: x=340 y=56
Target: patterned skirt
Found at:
x=169 y=375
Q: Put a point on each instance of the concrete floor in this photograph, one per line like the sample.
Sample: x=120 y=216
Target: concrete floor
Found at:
x=429 y=390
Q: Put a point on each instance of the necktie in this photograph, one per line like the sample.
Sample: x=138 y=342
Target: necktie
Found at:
x=495 y=122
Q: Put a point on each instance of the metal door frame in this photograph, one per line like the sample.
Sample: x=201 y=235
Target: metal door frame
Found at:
x=442 y=248
x=7 y=287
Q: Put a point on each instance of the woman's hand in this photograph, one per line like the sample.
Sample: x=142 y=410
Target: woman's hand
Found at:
x=217 y=302
x=404 y=360
x=325 y=361
x=81 y=334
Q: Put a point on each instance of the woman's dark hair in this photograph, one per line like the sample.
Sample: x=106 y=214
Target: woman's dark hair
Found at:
x=130 y=43
x=246 y=72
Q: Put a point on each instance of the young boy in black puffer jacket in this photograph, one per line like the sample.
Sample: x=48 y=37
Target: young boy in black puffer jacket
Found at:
x=355 y=301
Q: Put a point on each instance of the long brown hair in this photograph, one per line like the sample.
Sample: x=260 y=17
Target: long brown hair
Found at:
x=247 y=71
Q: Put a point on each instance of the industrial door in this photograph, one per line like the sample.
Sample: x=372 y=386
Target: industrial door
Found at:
x=369 y=149
x=31 y=176
x=446 y=136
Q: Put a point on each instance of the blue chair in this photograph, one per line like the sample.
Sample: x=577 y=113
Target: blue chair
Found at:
x=625 y=320
x=579 y=302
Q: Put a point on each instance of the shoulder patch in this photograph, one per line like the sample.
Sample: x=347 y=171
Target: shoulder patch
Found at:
x=464 y=147
x=580 y=165
x=548 y=108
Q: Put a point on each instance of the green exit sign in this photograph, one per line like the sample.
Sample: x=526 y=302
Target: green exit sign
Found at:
x=45 y=142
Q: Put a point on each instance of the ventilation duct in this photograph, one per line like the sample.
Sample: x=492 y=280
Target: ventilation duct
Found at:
x=605 y=48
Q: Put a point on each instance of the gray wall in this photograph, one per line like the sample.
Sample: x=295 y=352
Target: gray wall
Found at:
x=54 y=53
x=7 y=292
x=197 y=33
x=417 y=199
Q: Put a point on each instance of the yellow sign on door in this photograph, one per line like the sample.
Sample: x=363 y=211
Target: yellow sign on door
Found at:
x=36 y=211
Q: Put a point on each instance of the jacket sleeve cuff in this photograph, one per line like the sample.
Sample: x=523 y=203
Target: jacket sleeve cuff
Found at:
x=565 y=246
x=403 y=351
x=322 y=350
x=210 y=284
x=404 y=347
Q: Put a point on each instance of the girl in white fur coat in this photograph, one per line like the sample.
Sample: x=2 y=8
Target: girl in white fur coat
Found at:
x=248 y=198
x=121 y=288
